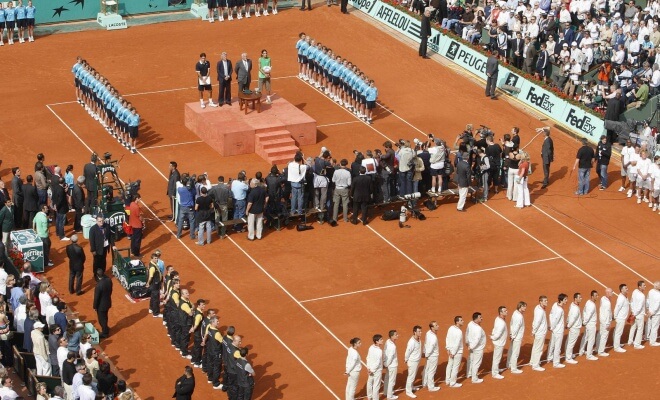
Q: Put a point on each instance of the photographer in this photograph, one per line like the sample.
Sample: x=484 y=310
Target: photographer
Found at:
x=466 y=137
x=221 y=196
x=574 y=75
x=438 y=153
x=386 y=171
x=186 y=196
x=641 y=95
x=483 y=167
x=406 y=168
x=296 y=171
x=560 y=76
x=239 y=190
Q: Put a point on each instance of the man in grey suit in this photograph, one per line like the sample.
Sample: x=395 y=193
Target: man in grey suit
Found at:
x=530 y=54
x=492 y=68
x=243 y=69
x=547 y=154
x=462 y=179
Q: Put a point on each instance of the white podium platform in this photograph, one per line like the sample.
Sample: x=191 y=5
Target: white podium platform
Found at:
x=111 y=21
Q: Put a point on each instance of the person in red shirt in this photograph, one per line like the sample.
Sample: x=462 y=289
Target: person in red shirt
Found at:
x=136 y=223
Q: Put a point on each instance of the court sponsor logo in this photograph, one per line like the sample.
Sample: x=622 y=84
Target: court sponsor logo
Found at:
x=543 y=101
x=364 y=5
x=394 y=18
x=512 y=79
x=116 y=220
x=434 y=43
x=452 y=51
x=116 y=25
x=32 y=255
x=584 y=124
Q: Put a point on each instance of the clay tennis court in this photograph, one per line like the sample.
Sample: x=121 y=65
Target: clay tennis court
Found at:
x=299 y=297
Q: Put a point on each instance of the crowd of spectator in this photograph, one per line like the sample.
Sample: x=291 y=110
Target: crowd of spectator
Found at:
x=560 y=41
x=31 y=307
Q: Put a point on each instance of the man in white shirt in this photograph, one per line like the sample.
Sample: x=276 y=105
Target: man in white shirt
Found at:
x=621 y=311
x=498 y=336
x=632 y=170
x=353 y=368
x=516 y=334
x=412 y=356
x=589 y=320
x=62 y=351
x=476 y=341
x=539 y=330
x=454 y=347
x=605 y=320
x=77 y=382
x=626 y=152
x=374 y=367
x=643 y=177
x=638 y=310
x=556 y=325
x=85 y=391
x=3 y=280
x=391 y=364
x=574 y=325
x=7 y=391
x=654 y=313
x=431 y=352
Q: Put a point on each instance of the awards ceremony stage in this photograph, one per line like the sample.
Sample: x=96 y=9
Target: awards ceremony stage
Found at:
x=275 y=133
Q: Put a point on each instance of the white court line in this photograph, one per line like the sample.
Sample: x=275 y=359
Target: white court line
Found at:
x=168 y=90
x=401 y=252
x=594 y=245
x=429 y=280
x=335 y=124
x=233 y=294
x=170 y=145
x=544 y=245
x=404 y=121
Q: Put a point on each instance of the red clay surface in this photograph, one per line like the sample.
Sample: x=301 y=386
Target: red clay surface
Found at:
x=298 y=348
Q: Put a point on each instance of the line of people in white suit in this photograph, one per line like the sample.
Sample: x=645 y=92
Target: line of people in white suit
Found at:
x=643 y=313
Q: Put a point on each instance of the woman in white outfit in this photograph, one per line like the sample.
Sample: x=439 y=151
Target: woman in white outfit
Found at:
x=353 y=368
x=521 y=182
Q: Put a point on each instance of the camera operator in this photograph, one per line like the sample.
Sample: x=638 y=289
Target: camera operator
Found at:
x=560 y=75
x=186 y=196
x=466 y=137
x=463 y=177
x=438 y=153
x=574 y=74
x=386 y=171
x=641 y=95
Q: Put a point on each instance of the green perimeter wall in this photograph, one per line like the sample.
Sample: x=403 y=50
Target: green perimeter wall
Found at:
x=55 y=11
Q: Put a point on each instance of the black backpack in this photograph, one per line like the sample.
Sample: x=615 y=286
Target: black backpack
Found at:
x=390 y=215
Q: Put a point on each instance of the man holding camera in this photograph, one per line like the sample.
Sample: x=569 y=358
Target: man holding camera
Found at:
x=641 y=95
x=406 y=167
x=361 y=193
x=186 y=206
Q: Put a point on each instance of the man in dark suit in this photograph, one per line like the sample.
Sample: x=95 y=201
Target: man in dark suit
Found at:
x=361 y=189
x=185 y=385
x=425 y=32
x=103 y=301
x=17 y=197
x=77 y=259
x=101 y=240
x=171 y=185
x=30 y=201
x=7 y=220
x=224 y=78
x=492 y=69
x=243 y=69
x=61 y=205
x=547 y=154
x=78 y=202
x=89 y=172
x=568 y=33
x=517 y=48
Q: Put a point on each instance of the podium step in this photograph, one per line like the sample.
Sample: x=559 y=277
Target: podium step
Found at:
x=277 y=147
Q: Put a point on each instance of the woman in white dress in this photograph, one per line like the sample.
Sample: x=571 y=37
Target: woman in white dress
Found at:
x=353 y=368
